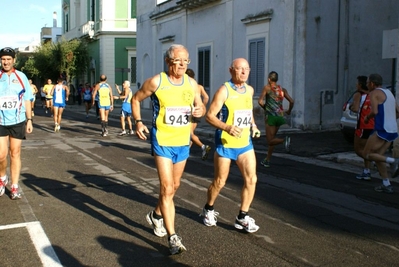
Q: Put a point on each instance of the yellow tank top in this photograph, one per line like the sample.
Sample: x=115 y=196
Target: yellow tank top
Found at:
x=104 y=97
x=172 y=111
x=237 y=110
x=47 y=89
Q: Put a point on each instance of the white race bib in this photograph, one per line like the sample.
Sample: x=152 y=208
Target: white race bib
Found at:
x=242 y=118
x=9 y=102
x=177 y=116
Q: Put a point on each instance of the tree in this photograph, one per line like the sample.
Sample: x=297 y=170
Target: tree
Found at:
x=65 y=58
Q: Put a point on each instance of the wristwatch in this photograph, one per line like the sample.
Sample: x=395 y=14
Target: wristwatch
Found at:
x=136 y=121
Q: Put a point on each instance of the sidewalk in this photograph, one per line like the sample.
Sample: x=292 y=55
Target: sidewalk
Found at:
x=326 y=145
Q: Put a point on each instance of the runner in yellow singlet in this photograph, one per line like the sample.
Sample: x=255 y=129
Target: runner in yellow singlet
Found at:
x=105 y=102
x=49 y=98
x=175 y=98
x=231 y=113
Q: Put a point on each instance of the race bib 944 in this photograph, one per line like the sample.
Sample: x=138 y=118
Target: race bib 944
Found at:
x=243 y=118
x=177 y=116
x=9 y=102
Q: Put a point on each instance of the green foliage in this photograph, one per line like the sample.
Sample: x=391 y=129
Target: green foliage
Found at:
x=69 y=58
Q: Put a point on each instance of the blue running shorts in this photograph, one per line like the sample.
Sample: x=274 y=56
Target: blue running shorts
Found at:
x=233 y=153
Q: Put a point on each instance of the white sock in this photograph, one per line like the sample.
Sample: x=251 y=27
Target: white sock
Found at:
x=386 y=182
x=203 y=147
x=14 y=186
x=3 y=178
x=366 y=170
x=390 y=160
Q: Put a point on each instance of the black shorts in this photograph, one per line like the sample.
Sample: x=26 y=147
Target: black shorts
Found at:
x=16 y=131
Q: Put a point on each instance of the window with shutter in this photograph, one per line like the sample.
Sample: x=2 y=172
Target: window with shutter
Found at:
x=257 y=64
x=204 y=62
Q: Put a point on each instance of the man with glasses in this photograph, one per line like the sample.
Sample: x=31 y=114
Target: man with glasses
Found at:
x=175 y=97
x=385 y=112
x=231 y=113
x=15 y=119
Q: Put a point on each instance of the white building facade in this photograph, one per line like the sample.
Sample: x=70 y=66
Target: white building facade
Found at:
x=318 y=47
x=109 y=28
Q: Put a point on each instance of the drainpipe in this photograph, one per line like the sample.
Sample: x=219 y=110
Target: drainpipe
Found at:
x=338 y=46
x=321 y=110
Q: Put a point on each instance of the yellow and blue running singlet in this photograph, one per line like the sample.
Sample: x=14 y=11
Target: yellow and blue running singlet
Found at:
x=237 y=110
x=172 y=112
x=103 y=92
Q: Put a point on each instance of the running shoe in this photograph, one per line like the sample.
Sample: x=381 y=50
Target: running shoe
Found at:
x=106 y=131
x=205 y=152
x=364 y=176
x=384 y=189
x=131 y=132
x=15 y=193
x=55 y=127
x=394 y=168
x=122 y=133
x=59 y=128
x=3 y=185
x=157 y=224
x=265 y=163
x=175 y=245
x=248 y=224
x=210 y=217
x=287 y=143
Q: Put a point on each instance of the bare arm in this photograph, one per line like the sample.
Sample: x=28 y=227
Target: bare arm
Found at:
x=261 y=100
x=199 y=107
x=52 y=90
x=374 y=101
x=356 y=102
x=146 y=90
x=67 y=92
x=211 y=116
x=205 y=97
x=290 y=100
x=94 y=93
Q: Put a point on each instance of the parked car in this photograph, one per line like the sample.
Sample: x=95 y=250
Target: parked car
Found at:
x=349 y=118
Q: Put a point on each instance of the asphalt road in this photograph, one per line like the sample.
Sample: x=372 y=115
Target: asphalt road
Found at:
x=85 y=198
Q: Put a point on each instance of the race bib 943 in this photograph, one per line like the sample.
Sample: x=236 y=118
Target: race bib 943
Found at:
x=9 y=102
x=177 y=116
x=243 y=118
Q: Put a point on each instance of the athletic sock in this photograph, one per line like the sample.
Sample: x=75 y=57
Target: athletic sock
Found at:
x=208 y=207
x=156 y=216
x=242 y=214
x=3 y=178
x=390 y=160
x=386 y=182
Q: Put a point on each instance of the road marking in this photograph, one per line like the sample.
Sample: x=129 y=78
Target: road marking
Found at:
x=40 y=240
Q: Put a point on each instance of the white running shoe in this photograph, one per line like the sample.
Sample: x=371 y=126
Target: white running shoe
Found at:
x=175 y=245
x=157 y=224
x=210 y=217
x=248 y=224
x=3 y=185
x=122 y=133
x=287 y=143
